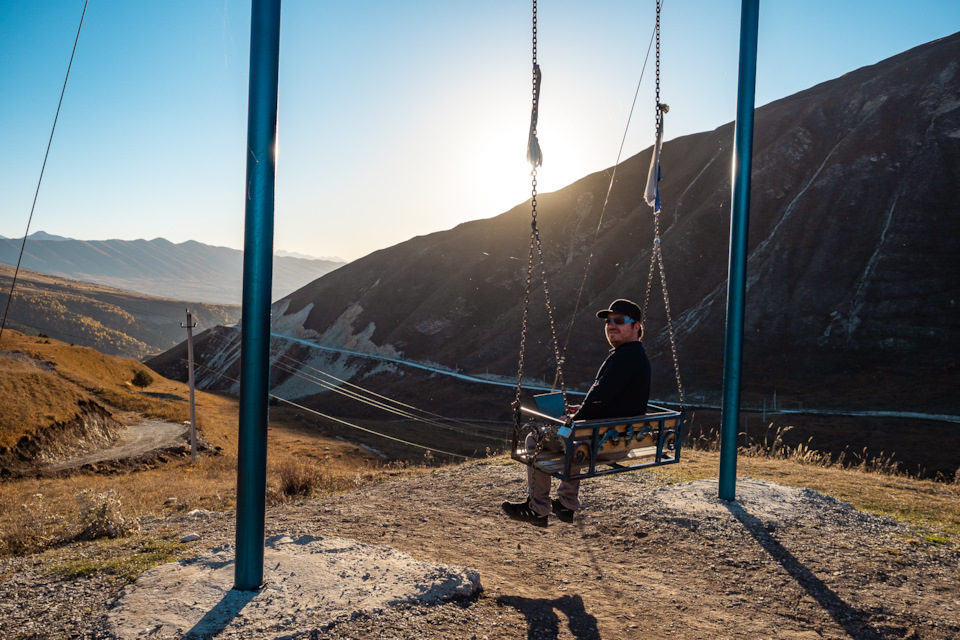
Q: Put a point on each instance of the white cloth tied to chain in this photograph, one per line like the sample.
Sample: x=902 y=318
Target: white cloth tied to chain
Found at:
x=652 y=193
x=534 y=155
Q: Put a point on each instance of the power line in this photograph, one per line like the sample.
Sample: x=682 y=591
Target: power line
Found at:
x=469 y=427
x=42 y=168
x=379 y=405
x=374 y=403
x=346 y=423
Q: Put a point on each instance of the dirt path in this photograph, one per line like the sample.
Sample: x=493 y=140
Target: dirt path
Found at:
x=137 y=440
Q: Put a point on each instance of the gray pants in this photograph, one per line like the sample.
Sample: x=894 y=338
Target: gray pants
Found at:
x=568 y=492
x=538 y=482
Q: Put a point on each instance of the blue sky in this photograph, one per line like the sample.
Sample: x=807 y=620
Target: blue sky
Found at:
x=396 y=119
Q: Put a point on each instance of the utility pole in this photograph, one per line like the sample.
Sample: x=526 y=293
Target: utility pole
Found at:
x=193 y=408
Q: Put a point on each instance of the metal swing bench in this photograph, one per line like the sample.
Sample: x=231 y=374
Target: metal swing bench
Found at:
x=601 y=447
x=594 y=447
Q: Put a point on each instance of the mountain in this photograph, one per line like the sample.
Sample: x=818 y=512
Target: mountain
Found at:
x=852 y=287
x=186 y=271
x=293 y=254
x=41 y=235
x=112 y=321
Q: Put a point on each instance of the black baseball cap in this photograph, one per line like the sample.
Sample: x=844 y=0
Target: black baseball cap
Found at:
x=622 y=307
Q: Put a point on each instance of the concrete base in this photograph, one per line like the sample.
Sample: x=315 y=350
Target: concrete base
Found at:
x=310 y=583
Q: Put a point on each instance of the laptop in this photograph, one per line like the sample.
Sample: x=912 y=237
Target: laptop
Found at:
x=550 y=404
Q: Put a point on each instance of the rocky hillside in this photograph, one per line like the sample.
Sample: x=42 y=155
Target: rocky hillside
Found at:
x=852 y=290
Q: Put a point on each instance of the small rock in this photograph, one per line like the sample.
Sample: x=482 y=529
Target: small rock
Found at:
x=190 y=537
x=170 y=501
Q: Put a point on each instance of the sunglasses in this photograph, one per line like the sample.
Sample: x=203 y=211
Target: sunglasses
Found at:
x=618 y=320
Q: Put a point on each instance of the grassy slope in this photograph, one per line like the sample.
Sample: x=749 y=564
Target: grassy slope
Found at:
x=35 y=512
x=42 y=380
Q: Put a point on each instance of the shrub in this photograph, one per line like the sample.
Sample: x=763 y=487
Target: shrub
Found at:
x=299 y=478
x=142 y=378
x=101 y=516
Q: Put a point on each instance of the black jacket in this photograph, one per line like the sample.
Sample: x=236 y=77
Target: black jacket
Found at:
x=622 y=387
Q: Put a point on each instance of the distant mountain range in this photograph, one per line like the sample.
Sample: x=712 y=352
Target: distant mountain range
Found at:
x=112 y=321
x=186 y=271
x=852 y=279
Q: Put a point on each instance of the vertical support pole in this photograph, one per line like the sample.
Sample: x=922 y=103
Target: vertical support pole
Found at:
x=739 y=222
x=193 y=407
x=257 y=280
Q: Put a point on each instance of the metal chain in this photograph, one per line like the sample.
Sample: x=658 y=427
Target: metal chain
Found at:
x=536 y=247
x=656 y=128
x=653 y=259
x=657 y=101
x=534 y=32
x=523 y=342
x=666 y=305
x=549 y=306
x=656 y=255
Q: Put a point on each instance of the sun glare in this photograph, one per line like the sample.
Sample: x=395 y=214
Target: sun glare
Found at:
x=501 y=174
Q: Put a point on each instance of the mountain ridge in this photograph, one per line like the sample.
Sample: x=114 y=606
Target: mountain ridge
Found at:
x=851 y=283
x=113 y=321
x=189 y=270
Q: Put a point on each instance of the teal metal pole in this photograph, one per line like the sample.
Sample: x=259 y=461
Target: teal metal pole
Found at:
x=257 y=280
x=739 y=222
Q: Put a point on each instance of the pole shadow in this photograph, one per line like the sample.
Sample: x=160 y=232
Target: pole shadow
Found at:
x=847 y=616
x=543 y=621
x=221 y=615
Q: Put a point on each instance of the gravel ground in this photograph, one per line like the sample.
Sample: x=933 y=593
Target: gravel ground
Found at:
x=640 y=561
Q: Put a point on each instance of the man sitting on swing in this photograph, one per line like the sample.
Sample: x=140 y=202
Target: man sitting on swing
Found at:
x=621 y=390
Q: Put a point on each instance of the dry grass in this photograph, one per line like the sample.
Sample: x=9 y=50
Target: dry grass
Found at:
x=39 y=513
x=42 y=380
x=876 y=484
x=926 y=502
x=32 y=396
x=773 y=446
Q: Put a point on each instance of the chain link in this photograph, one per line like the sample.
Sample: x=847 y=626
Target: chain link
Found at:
x=536 y=249
x=657 y=101
x=653 y=260
x=656 y=255
x=534 y=32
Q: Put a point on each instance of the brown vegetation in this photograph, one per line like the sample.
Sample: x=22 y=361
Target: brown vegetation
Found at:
x=41 y=383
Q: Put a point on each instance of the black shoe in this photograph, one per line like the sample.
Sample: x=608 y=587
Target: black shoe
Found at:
x=522 y=511
x=564 y=514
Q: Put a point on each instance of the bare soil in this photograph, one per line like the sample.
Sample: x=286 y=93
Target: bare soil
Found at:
x=644 y=559
x=136 y=441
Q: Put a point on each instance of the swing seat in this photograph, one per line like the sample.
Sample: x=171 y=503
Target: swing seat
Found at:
x=590 y=448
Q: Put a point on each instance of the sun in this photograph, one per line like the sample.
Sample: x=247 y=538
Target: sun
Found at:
x=500 y=175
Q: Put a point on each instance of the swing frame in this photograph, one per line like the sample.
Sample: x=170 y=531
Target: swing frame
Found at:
x=605 y=446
